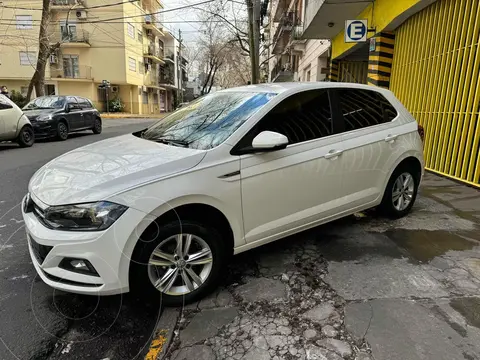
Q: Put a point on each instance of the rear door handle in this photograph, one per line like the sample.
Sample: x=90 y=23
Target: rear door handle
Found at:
x=391 y=138
x=333 y=153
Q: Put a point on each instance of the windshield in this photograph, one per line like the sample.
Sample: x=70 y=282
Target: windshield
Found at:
x=46 y=102
x=207 y=121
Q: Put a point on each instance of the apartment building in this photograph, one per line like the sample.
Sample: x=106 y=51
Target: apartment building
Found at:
x=292 y=57
x=122 y=43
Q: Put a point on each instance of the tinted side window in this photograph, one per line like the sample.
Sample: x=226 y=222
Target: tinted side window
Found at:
x=301 y=117
x=83 y=103
x=72 y=103
x=363 y=108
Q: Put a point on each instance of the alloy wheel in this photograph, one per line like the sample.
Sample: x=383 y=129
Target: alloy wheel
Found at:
x=27 y=135
x=98 y=125
x=180 y=264
x=62 y=130
x=402 y=193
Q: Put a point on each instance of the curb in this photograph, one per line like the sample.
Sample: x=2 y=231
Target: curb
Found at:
x=163 y=334
x=132 y=116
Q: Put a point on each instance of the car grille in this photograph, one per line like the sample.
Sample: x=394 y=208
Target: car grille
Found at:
x=30 y=206
x=39 y=251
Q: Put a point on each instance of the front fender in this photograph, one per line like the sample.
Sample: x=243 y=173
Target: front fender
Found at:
x=22 y=121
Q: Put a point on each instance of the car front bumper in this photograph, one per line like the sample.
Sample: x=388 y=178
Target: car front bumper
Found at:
x=107 y=251
x=43 y=129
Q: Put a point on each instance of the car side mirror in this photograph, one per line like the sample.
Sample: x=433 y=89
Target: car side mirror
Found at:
x=67 y=108
x=269 y=141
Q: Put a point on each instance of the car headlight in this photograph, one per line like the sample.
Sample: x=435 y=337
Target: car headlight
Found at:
x=83 y=217
x=44 y=117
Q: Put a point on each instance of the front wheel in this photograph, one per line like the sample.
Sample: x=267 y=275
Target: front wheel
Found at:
x=97 y=126
x=400 y=193
x=181 y=262
x=62 y=131
x=26 y=137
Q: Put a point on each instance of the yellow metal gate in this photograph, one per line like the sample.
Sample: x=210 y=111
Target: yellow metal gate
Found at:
x=353 y=71
x=435 y=74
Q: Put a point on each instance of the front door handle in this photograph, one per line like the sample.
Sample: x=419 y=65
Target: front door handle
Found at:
x=391 y=138
x=333 y=153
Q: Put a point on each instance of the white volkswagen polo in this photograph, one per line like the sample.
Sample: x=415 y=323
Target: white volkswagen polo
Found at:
x=162 y=210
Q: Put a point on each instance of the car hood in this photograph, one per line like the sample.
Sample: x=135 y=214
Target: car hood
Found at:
x=97 y=171
x=33 y=114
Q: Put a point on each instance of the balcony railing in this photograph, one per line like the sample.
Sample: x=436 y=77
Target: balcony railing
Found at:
x=63 y=3
x=297 y=32
x=151 y=79
x=166 y=75
x=80 y=37
x=150 y=50
x=72 y=72
x=153 y=23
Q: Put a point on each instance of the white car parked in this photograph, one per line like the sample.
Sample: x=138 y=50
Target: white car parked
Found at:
x=162 y=210
x=14 y=125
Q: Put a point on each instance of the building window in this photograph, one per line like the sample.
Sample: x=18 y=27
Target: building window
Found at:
x=144 y=97
x=131 y=30
x=141 y=67
x=28 y=58
x=71 y=69
x=24 y=90
x=132 y=64
x=24 y=22
x=140 y=35
x=308 y=75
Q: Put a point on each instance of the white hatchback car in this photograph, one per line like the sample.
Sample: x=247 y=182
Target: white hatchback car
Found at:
x=14 y=125
x=162 y=210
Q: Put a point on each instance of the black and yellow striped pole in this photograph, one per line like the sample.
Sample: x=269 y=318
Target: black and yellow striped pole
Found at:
x=333 y=76
x=380 y=60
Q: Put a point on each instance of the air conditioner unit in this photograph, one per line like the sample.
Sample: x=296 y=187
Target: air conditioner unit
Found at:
x=148 y=19
x=149 y=67
x=144 y=88
x=81 y=14
x=114 y=89
x=53 y=59
x=149 y=32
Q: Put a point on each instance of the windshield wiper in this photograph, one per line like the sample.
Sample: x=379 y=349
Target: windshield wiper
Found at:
x=171 y=141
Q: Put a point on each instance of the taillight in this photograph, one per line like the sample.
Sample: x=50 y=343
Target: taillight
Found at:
x=421 y=132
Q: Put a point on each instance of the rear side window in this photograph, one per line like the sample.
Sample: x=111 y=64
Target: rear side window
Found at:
x=364 y=108
x=72 y=103
x=4 y=104
x=83 y=103
x=301 y=117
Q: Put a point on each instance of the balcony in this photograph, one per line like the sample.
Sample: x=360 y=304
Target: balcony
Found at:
x=81 y=72
x=297 y=43
x=282 y=72
x=169 y=56
x=166 y=77
x=325 y=19
x=151 y=79
x=281 y=37
x=153 y=24
x=279 y=8
x=77 y=38
x=63 y=4
x=150 y=52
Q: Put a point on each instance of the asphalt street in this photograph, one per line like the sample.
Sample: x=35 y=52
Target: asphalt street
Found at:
x=37 y=322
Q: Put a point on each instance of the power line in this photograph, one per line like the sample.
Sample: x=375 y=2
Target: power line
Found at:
x=86 y=7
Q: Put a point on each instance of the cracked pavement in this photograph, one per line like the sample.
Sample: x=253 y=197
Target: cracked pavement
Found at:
x=361 y=288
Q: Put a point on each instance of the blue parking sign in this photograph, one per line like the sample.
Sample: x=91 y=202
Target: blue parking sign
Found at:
x=356 y=31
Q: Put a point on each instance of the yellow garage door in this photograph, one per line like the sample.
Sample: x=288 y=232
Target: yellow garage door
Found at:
x=435 y=74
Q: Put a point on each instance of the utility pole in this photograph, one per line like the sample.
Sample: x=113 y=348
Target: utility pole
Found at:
x=180 y=78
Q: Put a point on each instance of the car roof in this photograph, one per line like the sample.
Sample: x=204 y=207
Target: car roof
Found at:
x=281 y=87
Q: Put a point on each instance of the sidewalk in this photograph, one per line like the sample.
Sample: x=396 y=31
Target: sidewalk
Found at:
x=360 y=288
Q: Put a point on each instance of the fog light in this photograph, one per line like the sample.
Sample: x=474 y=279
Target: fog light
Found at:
x=80 y=266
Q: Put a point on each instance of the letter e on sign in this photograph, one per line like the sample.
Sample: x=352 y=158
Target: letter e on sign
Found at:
x=355 y=31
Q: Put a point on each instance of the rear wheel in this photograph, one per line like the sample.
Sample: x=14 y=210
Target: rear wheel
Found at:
x=26 y=138
x=97 y=126
x=181 y=262
x=401 y=192
x=62 y=131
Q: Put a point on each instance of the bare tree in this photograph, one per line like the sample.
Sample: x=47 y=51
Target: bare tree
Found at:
x=45 y=49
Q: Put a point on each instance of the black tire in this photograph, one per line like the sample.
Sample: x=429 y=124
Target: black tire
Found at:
x=62 y=131
x=140 y=282
x=26 y=137
x=97 y=126
x=387 y=207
